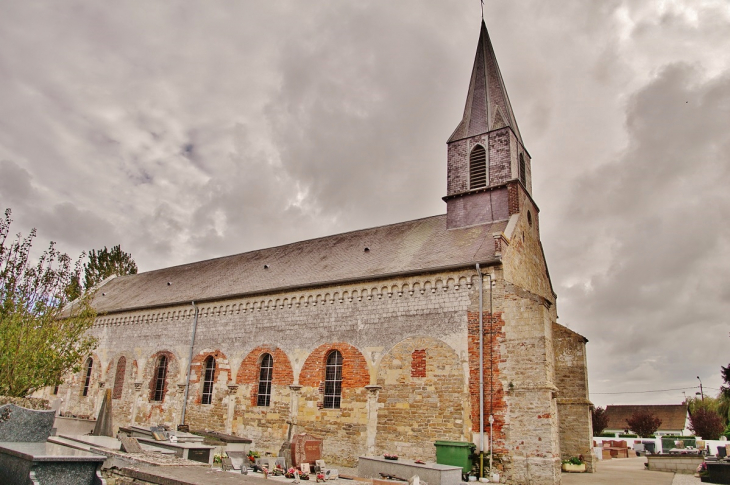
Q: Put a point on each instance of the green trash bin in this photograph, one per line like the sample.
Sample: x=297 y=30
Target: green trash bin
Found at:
x=455 y=453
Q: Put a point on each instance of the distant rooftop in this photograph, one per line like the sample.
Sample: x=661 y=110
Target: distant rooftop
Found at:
x=673 y=416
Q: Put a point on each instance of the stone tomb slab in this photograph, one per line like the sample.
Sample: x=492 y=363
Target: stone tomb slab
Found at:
x=431 y=473
x=48 y=464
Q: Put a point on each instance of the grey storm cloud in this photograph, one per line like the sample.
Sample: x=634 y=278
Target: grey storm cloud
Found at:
x=186 y=130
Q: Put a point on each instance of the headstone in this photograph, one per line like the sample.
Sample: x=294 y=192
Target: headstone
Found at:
x=19 y=424
x=333 y=474
x=130 y=444
x=305 y=468
x=103 y=425
x=237 y=459
x=305 y=448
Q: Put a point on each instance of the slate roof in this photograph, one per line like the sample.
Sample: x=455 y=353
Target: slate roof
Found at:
x=407 y=247
x=487 y=104
x=673 y=416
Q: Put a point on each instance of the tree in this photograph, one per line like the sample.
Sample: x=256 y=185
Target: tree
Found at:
x=41 y=337
x=706 y=423
x=643 y=423
x=600 y=420
x=105 y=263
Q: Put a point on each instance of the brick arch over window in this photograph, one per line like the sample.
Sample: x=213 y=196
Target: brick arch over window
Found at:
x=171 y=375
x=248 y=372
x=94 y=376
x=355 y=372
x=119 y=375
x=197 y=370
x=426 y=374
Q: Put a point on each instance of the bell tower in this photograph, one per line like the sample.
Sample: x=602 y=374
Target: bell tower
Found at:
x=488 y=166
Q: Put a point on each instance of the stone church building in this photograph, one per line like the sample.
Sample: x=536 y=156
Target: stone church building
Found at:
x=368 y=339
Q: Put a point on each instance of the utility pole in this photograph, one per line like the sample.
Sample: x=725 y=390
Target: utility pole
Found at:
x=702 y=393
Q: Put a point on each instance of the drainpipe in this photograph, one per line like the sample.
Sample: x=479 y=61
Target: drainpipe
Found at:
x=491 y=375
x=481 y=372
x=190 y=364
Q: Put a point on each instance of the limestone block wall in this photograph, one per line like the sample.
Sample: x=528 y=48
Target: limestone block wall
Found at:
x=574 y=408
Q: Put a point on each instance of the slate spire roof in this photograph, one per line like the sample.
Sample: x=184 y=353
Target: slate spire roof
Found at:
x=487 y=104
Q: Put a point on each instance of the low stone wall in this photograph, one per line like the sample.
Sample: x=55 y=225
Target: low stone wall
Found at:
x=26 y=402
x=674 y=463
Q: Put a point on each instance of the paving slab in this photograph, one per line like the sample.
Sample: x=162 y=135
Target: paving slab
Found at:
x=621 y=471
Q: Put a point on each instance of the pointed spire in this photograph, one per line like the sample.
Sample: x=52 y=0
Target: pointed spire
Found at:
x=487 y=104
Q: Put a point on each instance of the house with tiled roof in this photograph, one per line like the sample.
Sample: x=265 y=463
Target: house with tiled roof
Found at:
x=674 y=417
x=378 y=340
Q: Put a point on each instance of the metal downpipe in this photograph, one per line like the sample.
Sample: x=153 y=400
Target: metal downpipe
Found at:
x=481 y=372
x=190 y=364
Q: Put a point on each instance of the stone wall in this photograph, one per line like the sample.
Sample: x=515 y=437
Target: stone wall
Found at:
x=574 y=408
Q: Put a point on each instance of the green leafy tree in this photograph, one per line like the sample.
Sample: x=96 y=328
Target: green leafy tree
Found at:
x=42 y=337
x=105 y=263
x=600 y=420
x=644 y=424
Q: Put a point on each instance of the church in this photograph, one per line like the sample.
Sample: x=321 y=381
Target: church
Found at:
x=381 y=340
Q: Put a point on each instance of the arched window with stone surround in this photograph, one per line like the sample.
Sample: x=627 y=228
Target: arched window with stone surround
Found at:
x=160 y=378
x=266 y=373
x=87 y=376
x=119 y=378
x=523 y=173
x=478 y=173
x=209 y=374
x=333 y=380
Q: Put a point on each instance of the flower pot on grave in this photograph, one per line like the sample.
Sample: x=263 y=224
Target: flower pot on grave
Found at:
x=570 y=468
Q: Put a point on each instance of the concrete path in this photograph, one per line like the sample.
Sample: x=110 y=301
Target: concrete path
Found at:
x=626 y=471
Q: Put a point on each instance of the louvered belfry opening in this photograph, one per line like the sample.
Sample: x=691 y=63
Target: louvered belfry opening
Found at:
x=478 y=168
x=523 y=175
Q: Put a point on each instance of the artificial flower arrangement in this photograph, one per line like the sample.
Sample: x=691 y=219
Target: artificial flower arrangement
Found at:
x=389 y=456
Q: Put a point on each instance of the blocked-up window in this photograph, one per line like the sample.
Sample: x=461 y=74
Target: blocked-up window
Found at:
x=266 y=373
x=119 y=378
x=87 y=378
x=209 y=367
x=160 y=378
x=478 y=176
x=333 y=380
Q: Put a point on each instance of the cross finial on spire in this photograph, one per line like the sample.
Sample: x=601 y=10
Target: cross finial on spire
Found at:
x=482 y=2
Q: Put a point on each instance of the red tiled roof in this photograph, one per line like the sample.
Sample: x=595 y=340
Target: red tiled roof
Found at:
x=673 y=416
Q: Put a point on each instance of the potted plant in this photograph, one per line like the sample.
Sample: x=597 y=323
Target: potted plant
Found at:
x=574 y=464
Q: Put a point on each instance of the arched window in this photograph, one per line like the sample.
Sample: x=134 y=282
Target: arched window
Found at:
x=333 y=380
x=87 y=379
x=266 y=373
x=160 y=378
x=523 y=176
x=119 y=378
x=478 y=168
x=209 y=367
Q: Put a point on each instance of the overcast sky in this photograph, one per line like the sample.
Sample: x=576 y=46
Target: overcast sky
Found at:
x=185 y=130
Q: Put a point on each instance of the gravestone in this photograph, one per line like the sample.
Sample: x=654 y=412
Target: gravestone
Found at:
x=130 y=444
x=104 y=419
x=305 y=448
x=19 y=424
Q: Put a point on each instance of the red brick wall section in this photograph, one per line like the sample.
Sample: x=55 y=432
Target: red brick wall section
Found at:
x=355 y=373
x=514 y=198
x=497 y=406
x=153 y=381
x=119 y=378
x=248 y=373
x=418 y=363
x=197 y=370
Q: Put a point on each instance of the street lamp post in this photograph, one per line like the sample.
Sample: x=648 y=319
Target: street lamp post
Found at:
x=702 y=393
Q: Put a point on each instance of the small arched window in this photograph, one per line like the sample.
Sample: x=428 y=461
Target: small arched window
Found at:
x=160 y=378
x=478 y=176
x=87 y=378
x=209 y=367
x=119 y=378
x=333 y=380
x=266 y=372
x=523 y=175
